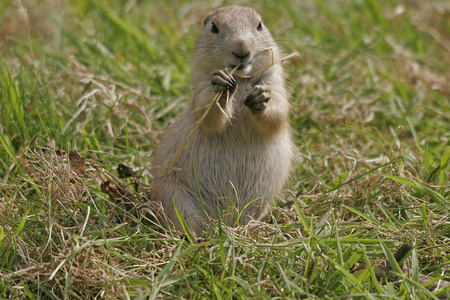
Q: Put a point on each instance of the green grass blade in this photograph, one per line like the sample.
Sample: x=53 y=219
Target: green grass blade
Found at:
x=433 y=194
x=445 y=165
x=8 y=148
x=415 y=265
x=365 y=216
x=372 y=274
x=183 y=223
x=244 y=284
x=338 y=181
x=340 y=257
x=301 y=216
x=390 y=257
x=14 y=100
x=21 y=226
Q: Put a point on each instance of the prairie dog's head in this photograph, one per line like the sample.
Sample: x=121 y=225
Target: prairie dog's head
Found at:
x=231 y=36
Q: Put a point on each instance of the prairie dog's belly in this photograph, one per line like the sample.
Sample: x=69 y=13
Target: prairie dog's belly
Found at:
x=236 y=163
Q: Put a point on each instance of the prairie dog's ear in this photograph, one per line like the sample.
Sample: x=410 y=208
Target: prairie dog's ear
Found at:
x=207 y=19
x=210 y=15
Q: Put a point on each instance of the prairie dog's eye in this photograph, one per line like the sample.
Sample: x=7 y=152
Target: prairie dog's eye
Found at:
x=214 y=28
x=259 y=28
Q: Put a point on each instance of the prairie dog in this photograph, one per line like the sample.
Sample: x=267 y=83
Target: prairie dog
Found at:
x=235 y=158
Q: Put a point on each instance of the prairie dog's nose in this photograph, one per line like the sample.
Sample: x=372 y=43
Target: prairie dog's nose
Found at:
x=242 y=55
x=241 y=51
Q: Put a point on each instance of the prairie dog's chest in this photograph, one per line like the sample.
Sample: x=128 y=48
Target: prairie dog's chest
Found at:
x=245 y=87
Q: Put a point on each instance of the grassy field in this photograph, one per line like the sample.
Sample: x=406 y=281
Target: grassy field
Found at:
x=371 y=115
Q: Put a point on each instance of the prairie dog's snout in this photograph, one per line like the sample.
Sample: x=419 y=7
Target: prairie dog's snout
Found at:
x=242 y=53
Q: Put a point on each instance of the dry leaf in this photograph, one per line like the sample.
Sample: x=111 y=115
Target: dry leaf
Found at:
x=125 y=171
x=77 y=160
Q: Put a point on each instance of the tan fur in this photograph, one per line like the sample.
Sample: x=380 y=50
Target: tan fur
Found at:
x=236 y=160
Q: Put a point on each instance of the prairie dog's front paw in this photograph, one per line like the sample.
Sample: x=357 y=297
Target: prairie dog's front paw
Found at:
x=258 y=98
x=222 y=80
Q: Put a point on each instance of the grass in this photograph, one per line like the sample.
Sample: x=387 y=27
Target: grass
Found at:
x=371 y=111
